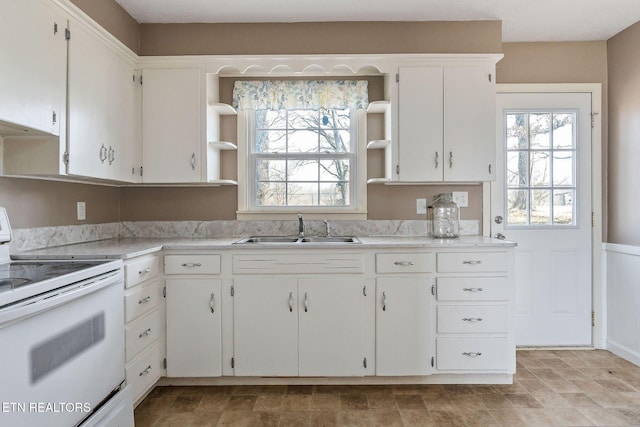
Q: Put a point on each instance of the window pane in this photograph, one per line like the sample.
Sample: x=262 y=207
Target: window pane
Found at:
x=334 y=194
x=304 y=119
x=270 y=119
x=271 y=141
x=539 y=130
x=563 y=207
x=562 y=168
x=517 y=168
x=302 y=194
x=270 y=170
x=540 y=168
x=303 y=141
x=335 y=141
x=540 y=207
x=302 y=170
x=563 y=130
x=517 y=131
x=271 y=194
x=517 y=207
x=334 y=170
x=335 y=119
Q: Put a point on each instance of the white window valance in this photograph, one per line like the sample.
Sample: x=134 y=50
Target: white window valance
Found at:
x=300 y=94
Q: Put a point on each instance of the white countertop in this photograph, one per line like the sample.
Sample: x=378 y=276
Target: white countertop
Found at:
x=129 y=247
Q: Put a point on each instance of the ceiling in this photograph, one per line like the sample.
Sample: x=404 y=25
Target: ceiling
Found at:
x=522 y=20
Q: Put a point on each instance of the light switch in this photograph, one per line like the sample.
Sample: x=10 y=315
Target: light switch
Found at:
x=82 y=211
x=421 y=206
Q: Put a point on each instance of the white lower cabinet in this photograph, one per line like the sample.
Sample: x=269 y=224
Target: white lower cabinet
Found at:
x=194 y=335
x=298 y=327
x=403 y=326
x=265 y=327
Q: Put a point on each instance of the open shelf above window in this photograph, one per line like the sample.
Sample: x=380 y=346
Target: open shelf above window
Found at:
x=223 y=109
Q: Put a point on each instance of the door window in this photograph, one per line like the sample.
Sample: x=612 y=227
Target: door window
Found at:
x=540 y=176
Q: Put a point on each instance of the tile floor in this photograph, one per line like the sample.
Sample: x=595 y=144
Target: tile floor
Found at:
x=551 y=388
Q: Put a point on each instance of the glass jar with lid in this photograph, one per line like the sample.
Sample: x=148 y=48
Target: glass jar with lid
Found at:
x=445 y=217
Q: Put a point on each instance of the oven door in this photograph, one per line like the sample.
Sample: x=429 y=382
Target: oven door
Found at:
x=62 y=353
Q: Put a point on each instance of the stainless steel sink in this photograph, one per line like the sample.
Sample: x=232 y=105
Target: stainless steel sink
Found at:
x=291 y=239
x=331 y=239
x=269 y=239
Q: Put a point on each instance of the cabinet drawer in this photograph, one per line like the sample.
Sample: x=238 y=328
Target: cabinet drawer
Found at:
x=477 y=319
x=472 y=288
x=141 y=333
x=192 y=264
x=405 y=263
x=472 y=262
x=138 y=271
x=472 y=353
x=140 y=300
x=143 y=371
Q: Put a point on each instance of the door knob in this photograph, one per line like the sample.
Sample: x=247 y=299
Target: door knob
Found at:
x=498 y=219
x=500 y=236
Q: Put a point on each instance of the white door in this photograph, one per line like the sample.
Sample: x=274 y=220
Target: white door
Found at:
x=541 y=199
x=265 y=327
x=331 y=334
x=194 y=328
x=403 y=324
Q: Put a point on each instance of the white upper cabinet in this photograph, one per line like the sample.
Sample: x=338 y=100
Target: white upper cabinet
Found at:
x=172 y=125
x=33 y=71
x=103 y=119
x=446 y=123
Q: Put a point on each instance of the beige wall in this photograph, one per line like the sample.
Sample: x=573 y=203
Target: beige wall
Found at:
x=624 y=136
x=38 y=203
x=321 y=38
x=113 y=18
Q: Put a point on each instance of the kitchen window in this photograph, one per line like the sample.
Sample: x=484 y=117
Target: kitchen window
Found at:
x=301 y=155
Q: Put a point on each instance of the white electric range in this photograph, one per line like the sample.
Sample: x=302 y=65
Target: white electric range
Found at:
x=62 y=340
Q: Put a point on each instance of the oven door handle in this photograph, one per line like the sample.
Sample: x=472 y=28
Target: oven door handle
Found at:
x=16 y=312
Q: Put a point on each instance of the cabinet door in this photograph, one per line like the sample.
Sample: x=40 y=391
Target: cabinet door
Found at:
x=88 y=93
x=194 y=333
x=331 y=327
x=172 y=125
x=265 y=327
x=469 y=124
x=403 y=326
x=34 y=64
x=420 y=156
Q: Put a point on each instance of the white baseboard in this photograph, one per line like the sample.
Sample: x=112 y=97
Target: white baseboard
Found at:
x=624 y=352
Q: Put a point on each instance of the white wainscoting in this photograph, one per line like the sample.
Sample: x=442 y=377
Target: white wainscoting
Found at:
x=623 y=300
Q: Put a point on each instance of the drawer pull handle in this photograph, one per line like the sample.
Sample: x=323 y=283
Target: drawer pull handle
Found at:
x=191 y=264
x=472 y=289
x=471 y=354
x=146 y=371
x=212 y=303
x=384 y=301
x=472 y=319
x=474 y=262
x=306 y=302
x=145 y=271
x=404 y=263
x=144 y=300
x=145 y=333
x=290 y=302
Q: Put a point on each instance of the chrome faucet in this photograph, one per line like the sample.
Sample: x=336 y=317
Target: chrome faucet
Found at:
x=327 y=227
x=300 y=226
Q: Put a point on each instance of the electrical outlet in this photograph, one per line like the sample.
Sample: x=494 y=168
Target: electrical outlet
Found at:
x=421 y=206
x=461 y=198
x=82 y=211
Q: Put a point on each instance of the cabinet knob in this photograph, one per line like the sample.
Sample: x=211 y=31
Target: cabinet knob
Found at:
x=472 y=289
x=193 y=161
x=191 y=264
x=403 y=263
x=145 y=372
x=212 y=303
x=145 y=271
x=103 y=153
x=472 y=319
x=471 y=354
x=306 y=302
x=145 y=333
x=450 y=159
x=290 y=302
x=384 y=301
x=144 y=300
x=472 y=262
